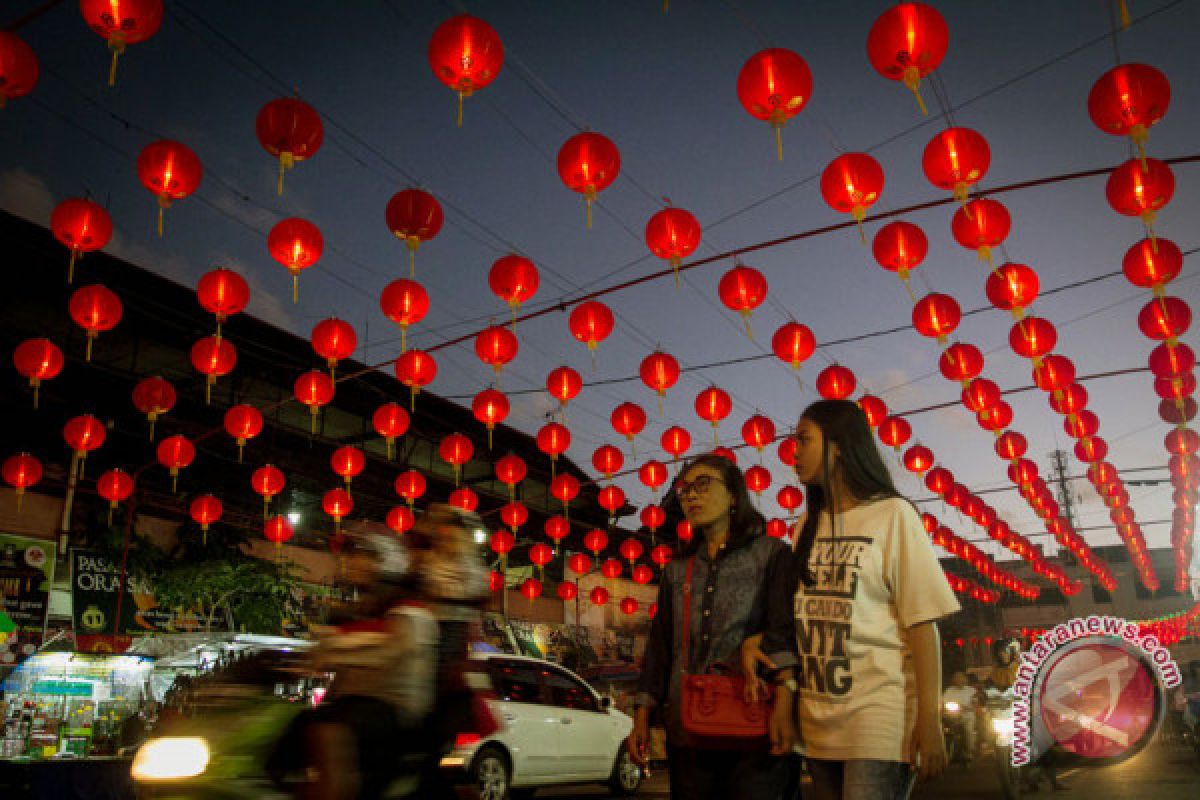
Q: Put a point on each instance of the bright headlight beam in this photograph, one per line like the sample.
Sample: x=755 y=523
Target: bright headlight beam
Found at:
x=170 y=758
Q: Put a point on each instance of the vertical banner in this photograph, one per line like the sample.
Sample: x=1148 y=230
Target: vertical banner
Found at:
x=26 y=572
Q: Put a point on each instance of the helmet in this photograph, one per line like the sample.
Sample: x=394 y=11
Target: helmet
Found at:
x=391 y=557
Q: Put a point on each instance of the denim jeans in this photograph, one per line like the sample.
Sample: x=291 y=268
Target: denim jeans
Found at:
x=726 y=775
x=860 y=779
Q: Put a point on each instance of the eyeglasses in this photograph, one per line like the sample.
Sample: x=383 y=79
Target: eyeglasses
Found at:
x=702 y=485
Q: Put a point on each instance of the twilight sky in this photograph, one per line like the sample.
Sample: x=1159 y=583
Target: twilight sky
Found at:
x=662 y=87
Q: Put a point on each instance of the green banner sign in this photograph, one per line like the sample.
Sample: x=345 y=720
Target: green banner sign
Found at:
x=26 y=572
x=95 y=580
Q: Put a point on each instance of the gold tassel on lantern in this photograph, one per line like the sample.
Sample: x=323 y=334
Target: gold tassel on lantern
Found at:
x=912 y=81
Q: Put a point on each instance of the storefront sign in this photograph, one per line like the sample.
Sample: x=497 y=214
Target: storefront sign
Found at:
x=26 y=572
x=95 y=579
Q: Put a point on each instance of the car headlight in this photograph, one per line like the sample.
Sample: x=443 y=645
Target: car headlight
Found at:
x=952 y=706
x=170 y=758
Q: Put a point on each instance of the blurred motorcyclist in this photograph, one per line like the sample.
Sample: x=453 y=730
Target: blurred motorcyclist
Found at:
x=963 y=697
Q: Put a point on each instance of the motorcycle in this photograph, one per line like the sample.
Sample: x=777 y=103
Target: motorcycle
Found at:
x=954 y=731
x=1013 y=779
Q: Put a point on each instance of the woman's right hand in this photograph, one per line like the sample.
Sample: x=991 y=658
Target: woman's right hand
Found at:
x=638 y=742
x=752 y=657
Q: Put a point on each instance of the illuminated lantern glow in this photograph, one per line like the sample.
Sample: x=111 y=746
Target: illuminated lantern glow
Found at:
x=496 y=346
x=557 y=528
x=836 y=382
x=1090 y=449
x=1011 y=445
x=611 y=568
x=1069 y=400
x=153 y=397
x=787 y=451
x=213 y=357
x=222 y=293
x=1140 y=190
x=122 y=23
x=936 y=316
x=243 y=423
x=758 y=432
x=1165 y=319
x=631 y=550
x=588 y=163
x=414 y=216
x=96 y=309
x=337 y=503
x=961 y=362
x=541 y=554
x=410 y=486
x=1178 y=389
x=296 y=244
x=996 y=418
x=725 y=453
x=278 y=530
x=565 y=488
x=115 y=486
x=653 y=517
x=348 y=462
x=591 y=323
x=400 y=519
x=19 y=69
x=291 y=130
x=900 y=247
x=599 y=596
x=206 y=510
x=491 y=408
x=553 y=439
x=777 y=528
x=955 y=160
x=514 y=279
x=673 y=234
x=175 y=453
x=642 y=574
x=334 y=339
x=981 y=225
x=315 y=390
x=793 y=344
x=659 y=371
x=567 y=591
x=1152 y=264
x=405 y=302
x=37 y=360
x=939 y=480
x=676 y=441
x=1080 y=425
x=496 y=581
x=564 y=385
x=20 y=472
x=629 y=606
x=758 y=479
x=661 y=555
x=1171 y=361
x=743 y=289
x=83 y=434
x=1054 y=374
x=1182 y=442
x=464 y=498
x=875 y=410
x=918 y=459
x=1012 y=287
x=790 y=498
x=595 y=540
x=653 y=474
x=607 y=460
x=980 y=395
x=713 y=405
x=1128 y=100
x=683 y=530
x=456 y=450
x=906 y=43
x=773 y=86
x=1032 y=337
x=628 y=420
x=81 y=225
x=894 y=432
x=268 y=481
x=416 y=369
x=170 y=171
x=851 y=184
x=579 y=563
x=466 y=54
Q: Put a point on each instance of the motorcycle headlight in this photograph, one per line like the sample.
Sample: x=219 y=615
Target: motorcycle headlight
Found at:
x=170 y=758
x=1003 y=727
x=952 y=706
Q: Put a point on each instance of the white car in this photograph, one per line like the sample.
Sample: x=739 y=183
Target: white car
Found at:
x=557 y=730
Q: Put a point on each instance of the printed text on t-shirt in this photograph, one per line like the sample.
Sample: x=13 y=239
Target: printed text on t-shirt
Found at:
x=824 y=618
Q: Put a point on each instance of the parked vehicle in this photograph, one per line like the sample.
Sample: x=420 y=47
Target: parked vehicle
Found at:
x=557 y=731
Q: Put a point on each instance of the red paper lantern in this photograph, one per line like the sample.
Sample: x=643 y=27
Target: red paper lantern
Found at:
x=673 y=234
x=464 y=498
x=599 y=596
x=725 y=453
x=939 y=480
x=496 y=581
x=291 y=130
x=1140 y=189
x=676 y=441
x=1069 y=400
x=553 y=439
x=611 y=569
x=315 y=390
x=1011 y=445
x=1171 y=362
x=38 y=360
x=564 y=488
x=80 y=224
x=564 y=384
x=793 y=344
x=918 y=459
x=588 y=163
x=790 y=498
x=222 y=293
x=653 y=517
x=268 y=481
x=642 y=574
x=466 y=54
x=19 y=70
x=628 y=420
x=416 y=369
x=20 y=472
x=334 y=339
x=511 y=470
x=743 y=289
x=1012 y=287
x=243 y=423
x=777 y=528
x=607 y=460
x=496 y=346
x=567 y=591
x=652 y=474
x=787 y=450
x=980 y=395
x=631 y=550
x=851 y=184
x=758 y=479
x=955 y=160
x=278 y=530
x=170 y=171
x=1032 y=337
x=996 y=418
x=175 y=453
x=414 y=216
x=410 y=485
x=629 y=606
x=1178 y=389
x=96 y=309
x=661 y=555
x=83 y=434
x=713 y=405
x=894 y=432
x=557 y=528
x=1177 y=412
x=659 y=371
x=1182 y=442
x=514 y=279
x=1054 y=373
x=1085 y=423
x=1090 y=449
x=961 y=362
x=205 y=510
x=1151 y=264
x=491 y=408
x=579 y=563
x=906 y=43
x=214 y=358
x=773 y=86
x=900 y=247
x=348 y=462
x=296 y=244
x=758 y=432
x=981 y=225
x=683 y=530
x=591 y=323
x=153 y=397
x=875 y=410
x=337 y=503
x=836 y=382
x=541 y=554
x=595 y=540
x=122 y=23
x=400 y=519
x=405 y=302
x=1128 y=100
x=936 y=316
x=1165 y=319
x=456 y=450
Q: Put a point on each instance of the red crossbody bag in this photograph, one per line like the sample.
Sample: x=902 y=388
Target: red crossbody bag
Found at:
x=714 y=711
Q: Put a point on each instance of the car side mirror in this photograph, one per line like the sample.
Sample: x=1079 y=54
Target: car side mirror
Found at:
x=605 y=703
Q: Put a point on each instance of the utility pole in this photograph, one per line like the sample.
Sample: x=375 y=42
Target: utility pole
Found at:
x=1066 y=498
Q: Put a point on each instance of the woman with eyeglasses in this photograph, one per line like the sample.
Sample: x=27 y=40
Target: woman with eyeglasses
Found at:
x=871 y=592
x=741 y=581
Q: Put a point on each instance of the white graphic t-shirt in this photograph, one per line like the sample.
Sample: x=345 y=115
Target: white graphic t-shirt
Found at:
x=878 y=577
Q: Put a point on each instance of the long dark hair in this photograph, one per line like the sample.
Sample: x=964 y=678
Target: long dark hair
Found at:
x=745 y=523
x=863 y=472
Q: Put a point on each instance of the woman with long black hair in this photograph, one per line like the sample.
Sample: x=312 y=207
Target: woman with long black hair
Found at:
x=869 y=700
x=733 y=580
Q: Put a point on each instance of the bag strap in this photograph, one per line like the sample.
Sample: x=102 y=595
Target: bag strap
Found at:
x=687 y=615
